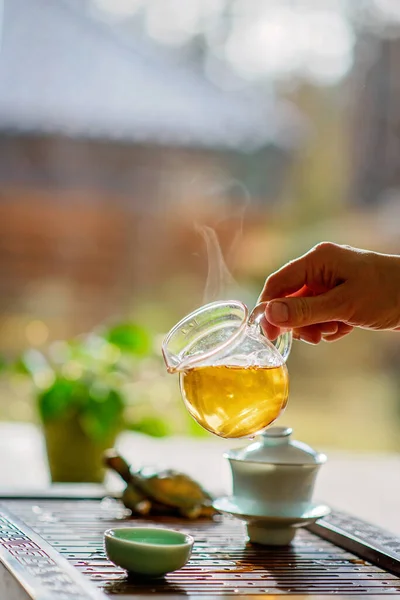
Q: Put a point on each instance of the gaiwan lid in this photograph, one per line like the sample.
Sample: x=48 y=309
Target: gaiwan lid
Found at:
x=275 y=446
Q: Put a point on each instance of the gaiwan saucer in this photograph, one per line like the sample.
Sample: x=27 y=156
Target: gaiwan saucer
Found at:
x=267 y=529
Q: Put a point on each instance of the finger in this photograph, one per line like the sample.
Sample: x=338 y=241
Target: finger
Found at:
x=342 y=331
x=270 y=331
x=310 y=332
x=289 y=279
x=316 y=269
x=315 y=332
x=310 y=337
x=319 y=269
x=303 y=292
x=329 y=328
x=299 y=312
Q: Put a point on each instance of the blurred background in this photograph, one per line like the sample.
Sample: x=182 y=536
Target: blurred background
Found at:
x=128 y=127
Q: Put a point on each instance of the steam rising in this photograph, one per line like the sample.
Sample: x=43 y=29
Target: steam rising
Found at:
x=219 y=279
x=220 y=284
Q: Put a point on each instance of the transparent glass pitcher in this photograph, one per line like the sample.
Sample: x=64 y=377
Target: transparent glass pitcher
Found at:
x=233 y=380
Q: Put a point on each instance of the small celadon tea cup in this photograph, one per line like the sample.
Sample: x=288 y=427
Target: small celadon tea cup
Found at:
x=149 y=551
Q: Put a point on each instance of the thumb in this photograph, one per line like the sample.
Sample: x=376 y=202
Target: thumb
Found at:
x=302 y=311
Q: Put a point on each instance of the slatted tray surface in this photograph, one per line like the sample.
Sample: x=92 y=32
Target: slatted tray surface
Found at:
x=222 y=562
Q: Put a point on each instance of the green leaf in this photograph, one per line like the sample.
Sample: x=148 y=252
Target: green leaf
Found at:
x=102 y=415
x=57 y=400
x=20 y=367
x=130 y=338
x=153 y=426
x=31 y=363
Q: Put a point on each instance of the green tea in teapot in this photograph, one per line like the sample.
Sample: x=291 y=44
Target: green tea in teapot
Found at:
x=235 y=401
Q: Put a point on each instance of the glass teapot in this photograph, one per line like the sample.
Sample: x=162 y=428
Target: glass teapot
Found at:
x=233 y=380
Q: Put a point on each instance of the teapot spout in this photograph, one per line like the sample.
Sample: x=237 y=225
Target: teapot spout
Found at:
x=171 y=361
x=174 y=364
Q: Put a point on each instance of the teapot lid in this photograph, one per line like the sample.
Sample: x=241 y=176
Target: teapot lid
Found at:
x=275 y=446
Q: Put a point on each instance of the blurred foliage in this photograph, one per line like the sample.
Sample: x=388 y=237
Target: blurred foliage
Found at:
x=129 y=338
x=96 y=377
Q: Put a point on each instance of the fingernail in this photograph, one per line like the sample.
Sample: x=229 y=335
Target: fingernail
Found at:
x=279 y=312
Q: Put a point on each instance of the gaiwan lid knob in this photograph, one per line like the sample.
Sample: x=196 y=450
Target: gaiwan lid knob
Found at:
x=276 y=446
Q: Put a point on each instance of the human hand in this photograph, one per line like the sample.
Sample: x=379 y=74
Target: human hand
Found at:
x=330 y=290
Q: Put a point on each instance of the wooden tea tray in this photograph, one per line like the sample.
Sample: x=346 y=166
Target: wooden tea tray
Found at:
x=52 y=549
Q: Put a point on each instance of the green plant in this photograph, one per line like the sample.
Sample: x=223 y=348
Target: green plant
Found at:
x=105 y=381
x=84 y=378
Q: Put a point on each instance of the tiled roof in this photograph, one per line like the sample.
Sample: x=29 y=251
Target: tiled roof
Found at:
x=61 y=71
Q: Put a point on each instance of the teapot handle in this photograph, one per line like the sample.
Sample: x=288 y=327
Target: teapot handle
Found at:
x=283 y=343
